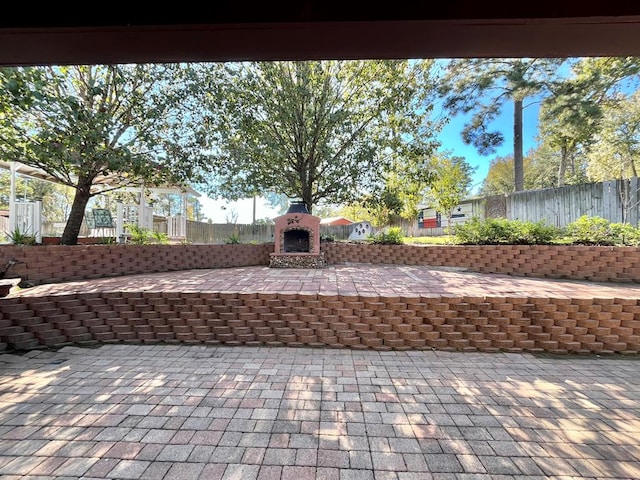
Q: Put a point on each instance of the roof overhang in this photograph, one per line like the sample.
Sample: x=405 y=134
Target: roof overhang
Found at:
x=308 y=30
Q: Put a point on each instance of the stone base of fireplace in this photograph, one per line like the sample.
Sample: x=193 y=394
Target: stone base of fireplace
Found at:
x=296 y=260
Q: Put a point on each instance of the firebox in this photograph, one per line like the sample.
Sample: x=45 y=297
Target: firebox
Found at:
x=297 y=239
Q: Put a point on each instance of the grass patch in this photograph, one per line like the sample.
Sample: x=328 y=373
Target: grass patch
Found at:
x=439 y=240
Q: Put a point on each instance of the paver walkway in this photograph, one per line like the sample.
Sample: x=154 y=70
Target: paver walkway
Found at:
x=217 y=412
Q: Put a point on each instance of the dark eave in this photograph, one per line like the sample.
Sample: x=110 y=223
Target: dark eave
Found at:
x=307 y=30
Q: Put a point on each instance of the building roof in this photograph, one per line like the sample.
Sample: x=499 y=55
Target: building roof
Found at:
x=330 y=220
x=102 y=181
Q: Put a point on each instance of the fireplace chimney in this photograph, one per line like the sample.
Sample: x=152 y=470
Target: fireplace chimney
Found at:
x=297 y=239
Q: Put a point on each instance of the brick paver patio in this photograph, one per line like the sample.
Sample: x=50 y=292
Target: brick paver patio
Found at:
x=252 y=412
x=354 y=279
x=218 y=412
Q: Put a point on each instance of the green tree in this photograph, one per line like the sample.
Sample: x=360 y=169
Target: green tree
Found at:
x=408 y=179
x=452 y=179
x=320 y=131
x=482 y=86
x=540 y=166
x=81 y=124
x=357 y=212
x=277 y=201
x=615 y=152
x=570 y=116
x=382 y=206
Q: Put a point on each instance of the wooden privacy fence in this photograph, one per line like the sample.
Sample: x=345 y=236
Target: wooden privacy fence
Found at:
x=209 y=233
x=615 y=200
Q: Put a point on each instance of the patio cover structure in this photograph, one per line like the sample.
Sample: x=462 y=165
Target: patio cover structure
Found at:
x=311 y=30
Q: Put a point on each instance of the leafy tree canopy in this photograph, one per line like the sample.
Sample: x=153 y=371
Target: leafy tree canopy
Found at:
x=616 y=148
x=481 y=87
x=452 y=178
x=571 y=116
x=323 y=131
x=81 y=123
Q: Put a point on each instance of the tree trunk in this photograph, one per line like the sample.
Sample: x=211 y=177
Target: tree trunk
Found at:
x=518 y=157
x=72 y=228
x=563 y=165
x=307 y=198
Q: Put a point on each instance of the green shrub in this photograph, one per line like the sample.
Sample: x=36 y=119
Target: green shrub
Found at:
x=234 y=238
x=496 y=231
x=389 y=236
x=600 y=231
x=159 y=237
x=625 y=234
x=144 y=236
x=21 y=238
x=533 y=233
x=475 y=231
x=327 y=238
x=590 y=231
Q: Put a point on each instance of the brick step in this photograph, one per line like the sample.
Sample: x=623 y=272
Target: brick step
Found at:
x=22 y=341
x=19 y=314
x=10 y=306
x=80 y=337
x=47 y=312
x=51 y=337
x=27 y=322
x=70 y=303
x=76 y=330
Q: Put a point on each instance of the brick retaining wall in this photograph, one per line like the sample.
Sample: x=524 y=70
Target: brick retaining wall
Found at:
x=457 y=322
x=58 y=263
x=445 y=323
x=598 y=264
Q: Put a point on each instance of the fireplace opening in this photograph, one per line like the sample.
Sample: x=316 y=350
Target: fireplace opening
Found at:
x=296 y=241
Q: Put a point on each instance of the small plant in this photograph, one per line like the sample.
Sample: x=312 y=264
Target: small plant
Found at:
x=160 y=238
x=106 y=240
x=533 y=233
x=389 y=236
x=481 y=232
x=327 y=238
x=625 y=234
x=21 y=238
x=233 y=239
x=144 y=236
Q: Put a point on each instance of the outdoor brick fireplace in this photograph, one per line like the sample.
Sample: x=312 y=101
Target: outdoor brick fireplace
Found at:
x=297 y=239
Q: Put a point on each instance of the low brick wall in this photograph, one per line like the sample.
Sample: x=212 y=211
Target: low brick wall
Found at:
x=58 y=263
x=598 y=264
x=316 y=320
x=485 y=324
